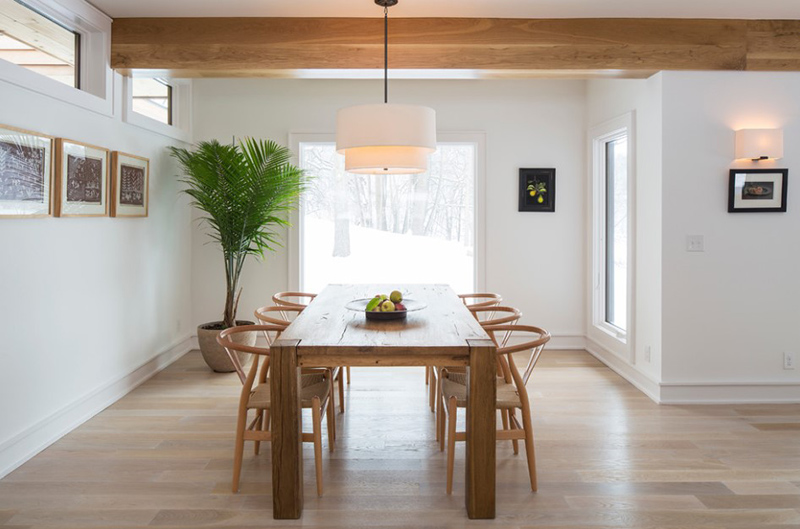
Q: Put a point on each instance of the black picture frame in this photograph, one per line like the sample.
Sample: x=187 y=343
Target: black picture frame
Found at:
x=542 y=183
x=755 y=190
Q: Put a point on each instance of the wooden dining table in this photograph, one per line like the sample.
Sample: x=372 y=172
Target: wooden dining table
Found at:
x=327 y=334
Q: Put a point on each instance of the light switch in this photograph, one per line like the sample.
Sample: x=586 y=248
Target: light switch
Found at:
x=695 y=243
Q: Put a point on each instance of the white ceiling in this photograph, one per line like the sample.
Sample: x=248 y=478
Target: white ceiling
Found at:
x=766 y=9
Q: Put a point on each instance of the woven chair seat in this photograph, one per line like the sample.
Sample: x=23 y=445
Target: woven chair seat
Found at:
x=507 y=396
x=311 y=386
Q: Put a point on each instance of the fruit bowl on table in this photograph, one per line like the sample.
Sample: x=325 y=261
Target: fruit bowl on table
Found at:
x=411 y=305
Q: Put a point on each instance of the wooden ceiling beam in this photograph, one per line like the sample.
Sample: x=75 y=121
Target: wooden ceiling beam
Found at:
x=274 y=47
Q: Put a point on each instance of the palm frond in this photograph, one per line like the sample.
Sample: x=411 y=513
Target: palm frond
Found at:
x=245 y=192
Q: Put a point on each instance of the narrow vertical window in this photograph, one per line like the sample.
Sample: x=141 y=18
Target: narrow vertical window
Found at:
x=616 y=231
x=34 y=41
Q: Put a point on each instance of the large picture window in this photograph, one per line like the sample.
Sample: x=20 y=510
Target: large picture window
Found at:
x=389 y=228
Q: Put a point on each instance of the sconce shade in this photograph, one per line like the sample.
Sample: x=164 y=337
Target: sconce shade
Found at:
x=759 y=144
x=386 y=138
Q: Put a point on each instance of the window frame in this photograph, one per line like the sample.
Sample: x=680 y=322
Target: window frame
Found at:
x=294 y=238
x=611 y=337
x=95 y=77
x=180 y=126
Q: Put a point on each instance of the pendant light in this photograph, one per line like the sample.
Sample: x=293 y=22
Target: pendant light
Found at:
x=386 y=138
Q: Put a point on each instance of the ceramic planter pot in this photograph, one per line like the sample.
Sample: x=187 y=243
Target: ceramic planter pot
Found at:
x=214 y=354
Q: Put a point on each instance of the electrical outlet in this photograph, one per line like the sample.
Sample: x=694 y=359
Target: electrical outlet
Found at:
x=788 y=360
x=647 y=354
x=695 y=243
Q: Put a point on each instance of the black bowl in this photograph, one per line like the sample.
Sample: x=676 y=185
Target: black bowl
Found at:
x=384 y=316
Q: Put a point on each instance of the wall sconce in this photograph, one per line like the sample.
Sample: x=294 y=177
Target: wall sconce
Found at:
x=759 y=144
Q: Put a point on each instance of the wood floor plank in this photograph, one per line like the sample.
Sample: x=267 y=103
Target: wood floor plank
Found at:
x=779 y=426
x=643 y=502
x=607 y=457
x=763 y=487
x=752 y=501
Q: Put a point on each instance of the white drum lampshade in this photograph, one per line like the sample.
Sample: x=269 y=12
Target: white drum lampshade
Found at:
x=759 y=144
x=386 y=138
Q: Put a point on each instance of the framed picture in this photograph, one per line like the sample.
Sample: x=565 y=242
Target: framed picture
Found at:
x=757 y=190
x=130 y=176
x=26 y=173
x=537 y=190
x=81 y=180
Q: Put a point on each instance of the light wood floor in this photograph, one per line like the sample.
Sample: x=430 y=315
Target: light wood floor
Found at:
x=608 y=457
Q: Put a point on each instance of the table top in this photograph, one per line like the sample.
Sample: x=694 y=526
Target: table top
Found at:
x=326 y=326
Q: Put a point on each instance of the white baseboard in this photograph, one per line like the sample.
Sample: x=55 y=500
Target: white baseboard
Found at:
x=561 y=342
x=639 y=380
x=730 y=392
x=26 y=444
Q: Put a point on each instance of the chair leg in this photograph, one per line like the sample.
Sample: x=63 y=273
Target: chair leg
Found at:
x=341 y=388
x=432 y=390
x=331 y=410
x=504 y=418
x=440 y=414
x=451 y=442
x=259 y=425
x=527 y=425
x=511 y=417
x=238 y=451
x=427 y=375
x=316 y=419
x=331 y=423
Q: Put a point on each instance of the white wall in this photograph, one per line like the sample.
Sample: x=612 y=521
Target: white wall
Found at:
x=534 y=259
x=86 y=302
x=608 y=99
x=728 y=313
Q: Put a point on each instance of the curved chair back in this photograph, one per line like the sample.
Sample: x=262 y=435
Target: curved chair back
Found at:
x=481 y=299
x=228 y=340
x=293 y=299
x=533 y=340
x=277 y=315
x=490 y=316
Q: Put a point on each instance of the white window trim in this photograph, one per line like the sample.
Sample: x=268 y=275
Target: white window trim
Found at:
x=294 y=241
x=610 y=337
x=96 y=92
x=181 y=128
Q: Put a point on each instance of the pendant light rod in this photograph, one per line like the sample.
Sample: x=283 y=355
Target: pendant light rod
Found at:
x=385 y=54
x=386 y=4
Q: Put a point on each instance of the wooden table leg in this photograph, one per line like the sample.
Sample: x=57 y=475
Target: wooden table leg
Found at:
x=481 y=429
x=287 y=447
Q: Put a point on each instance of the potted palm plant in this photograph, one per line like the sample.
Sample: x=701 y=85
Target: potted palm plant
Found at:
x=244 y=191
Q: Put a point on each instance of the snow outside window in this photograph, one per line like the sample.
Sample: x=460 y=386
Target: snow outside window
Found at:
x=389 y=228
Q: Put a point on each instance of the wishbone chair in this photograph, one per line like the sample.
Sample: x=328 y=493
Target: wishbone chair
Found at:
x=511 y=394
x=315 y=394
